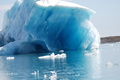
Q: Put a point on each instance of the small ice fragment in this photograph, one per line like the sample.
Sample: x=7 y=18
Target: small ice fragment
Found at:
x=10 y=58
x=61 y=50
x=44 y=57
x=45 y=76
x=1 y=49
x=34 y=73
x=109 y=64
x=63 y=55
x=53 y=56
x=89 y=54
x=58 y=56
x=53 y=76
x=12 y=74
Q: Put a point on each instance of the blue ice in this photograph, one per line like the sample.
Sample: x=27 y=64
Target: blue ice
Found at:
x=48 y=26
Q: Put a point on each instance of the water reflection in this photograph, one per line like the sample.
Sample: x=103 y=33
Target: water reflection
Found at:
x=76 y=66
x=86 y=66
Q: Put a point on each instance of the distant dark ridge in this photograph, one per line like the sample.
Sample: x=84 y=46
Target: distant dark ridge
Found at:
x=110 y=39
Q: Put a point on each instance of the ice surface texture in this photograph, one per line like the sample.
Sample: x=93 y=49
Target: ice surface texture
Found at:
x=48 y=25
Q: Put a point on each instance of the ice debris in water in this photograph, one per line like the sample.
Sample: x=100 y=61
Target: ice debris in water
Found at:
x=53 y=56
x=31 y=24
x=91 y=53
x=1 y=49
x=10 y=58
x=111 y=64
x=53 y=76
x=36 y=74
x=61 y=51
x=12 y=74
x=45 y=76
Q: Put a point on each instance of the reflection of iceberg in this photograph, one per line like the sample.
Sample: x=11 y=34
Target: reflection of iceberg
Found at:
x=50 y=26
x=76 y=66
x=87 y=67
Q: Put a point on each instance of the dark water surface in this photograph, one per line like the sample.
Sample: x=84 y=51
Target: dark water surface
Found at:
x=100 y=65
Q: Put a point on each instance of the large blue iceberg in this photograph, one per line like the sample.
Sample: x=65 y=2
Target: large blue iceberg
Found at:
x=46 y=25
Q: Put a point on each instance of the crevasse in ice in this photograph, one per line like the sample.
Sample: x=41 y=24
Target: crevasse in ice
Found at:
x=47 y=25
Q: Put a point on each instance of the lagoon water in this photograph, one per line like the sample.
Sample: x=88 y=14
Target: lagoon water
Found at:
x=100 y=65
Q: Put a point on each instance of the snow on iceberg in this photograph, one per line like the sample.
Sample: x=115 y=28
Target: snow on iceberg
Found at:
x=35 y=26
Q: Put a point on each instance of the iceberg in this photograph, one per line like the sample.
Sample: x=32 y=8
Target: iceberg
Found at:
x=47 y=25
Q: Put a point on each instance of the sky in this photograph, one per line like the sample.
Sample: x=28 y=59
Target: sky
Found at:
x=106 y=19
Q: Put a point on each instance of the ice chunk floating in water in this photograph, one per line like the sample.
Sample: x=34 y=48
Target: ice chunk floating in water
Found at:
x=10 y=58
x=53 y=56
x=54 y=75
x=48 y=26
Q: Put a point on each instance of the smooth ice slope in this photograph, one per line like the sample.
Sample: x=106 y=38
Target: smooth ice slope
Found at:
x=48 y=26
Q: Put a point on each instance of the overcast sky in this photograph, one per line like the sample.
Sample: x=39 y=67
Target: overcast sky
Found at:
x=106 y=19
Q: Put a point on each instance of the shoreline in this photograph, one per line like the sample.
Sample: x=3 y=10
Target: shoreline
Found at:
x=110 y=39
